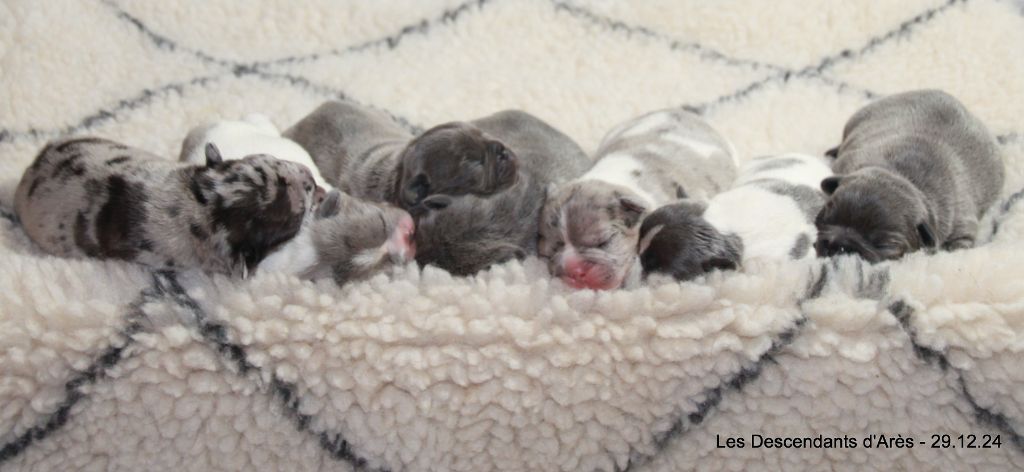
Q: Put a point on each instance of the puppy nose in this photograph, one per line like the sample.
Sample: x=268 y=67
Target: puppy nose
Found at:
x=401 y=245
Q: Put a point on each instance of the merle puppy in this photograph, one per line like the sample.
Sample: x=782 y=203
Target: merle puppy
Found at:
x=915 y=170
x=367 y=155
x=98 y=198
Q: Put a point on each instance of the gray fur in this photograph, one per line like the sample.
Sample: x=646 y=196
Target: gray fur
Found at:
x=810 y=200
x=469 y=233
x=677 y=154
x=98 y=198
x=366 y=155
x=914 y=170
x=351 y=235
x=676 y=240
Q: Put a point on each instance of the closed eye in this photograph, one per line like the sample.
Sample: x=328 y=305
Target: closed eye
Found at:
x=604 y=244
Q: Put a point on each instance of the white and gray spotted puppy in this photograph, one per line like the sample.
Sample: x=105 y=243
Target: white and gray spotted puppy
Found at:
x=97 y=198
x=915 y=171
x=768 y=214
x=589 y=228
x=346 y=238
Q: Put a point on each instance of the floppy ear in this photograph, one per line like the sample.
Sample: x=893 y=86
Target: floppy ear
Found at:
x=924 y=231
x=213 y=155
x=832 y=153
x=830 y=184
x=645 y=239
x=632 y=210
x=330 y=206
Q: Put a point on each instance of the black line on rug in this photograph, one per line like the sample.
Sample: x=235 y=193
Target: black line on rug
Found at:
x=702 y=51
x=902 y=312
x=103 y=115
x=906 y=28
x=390 y=42
x=284 y=392
x=713 y=396
x=96 y=371
x=163 y=42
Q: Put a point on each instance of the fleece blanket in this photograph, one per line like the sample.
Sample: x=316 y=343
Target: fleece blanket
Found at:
x=828 y=364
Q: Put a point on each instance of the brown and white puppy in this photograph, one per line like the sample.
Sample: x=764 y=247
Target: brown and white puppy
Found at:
x=98 y=198
x=589 y=227
x=468 y=233
x=915 y=170
x=367 y=155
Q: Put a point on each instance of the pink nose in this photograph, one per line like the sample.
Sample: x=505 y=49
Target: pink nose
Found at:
x=576 y=269
x=401 y=244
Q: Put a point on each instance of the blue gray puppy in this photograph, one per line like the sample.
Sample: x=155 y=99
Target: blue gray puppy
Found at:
x=915 y=170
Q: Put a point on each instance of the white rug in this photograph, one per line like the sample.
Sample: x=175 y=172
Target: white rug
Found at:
x=105 y=366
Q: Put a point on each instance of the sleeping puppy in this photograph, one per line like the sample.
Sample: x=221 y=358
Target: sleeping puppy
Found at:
x=915 y=170
x=98 y=198
x=367 y=155
x=589 y=228
x=253 y=134
x=345 y=239
x=768 y=214
x=468 y=233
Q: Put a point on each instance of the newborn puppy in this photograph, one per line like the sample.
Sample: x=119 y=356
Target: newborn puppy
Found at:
x=97 y=198
x=253 y=134
x=915 y=170
x=368 y=156
x=768 y=214
x=346 y=238
x=589 y=228
x=468 y=233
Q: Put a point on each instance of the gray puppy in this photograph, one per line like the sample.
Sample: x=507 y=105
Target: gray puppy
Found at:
x=589 y=228
x=98 y=198
x=469 y=233
x=367 y=155
x=915 y=170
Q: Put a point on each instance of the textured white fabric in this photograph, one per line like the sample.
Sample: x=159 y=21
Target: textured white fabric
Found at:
x=105 y=366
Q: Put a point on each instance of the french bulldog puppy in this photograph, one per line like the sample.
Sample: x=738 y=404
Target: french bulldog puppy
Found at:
x=589 y=228
x=367 y=155
x=346 y=238
x=253 y=134
x=465 y=234
x=914 y=170
x=98 y=198
x=768 y=214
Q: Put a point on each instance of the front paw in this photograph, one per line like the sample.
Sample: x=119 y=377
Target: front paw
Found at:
x=958 y=243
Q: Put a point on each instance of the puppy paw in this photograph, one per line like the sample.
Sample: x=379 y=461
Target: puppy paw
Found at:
x=958 y=243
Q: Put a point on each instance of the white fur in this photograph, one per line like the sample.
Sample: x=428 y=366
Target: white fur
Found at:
x=253 y=134
x=617 y=169
x=767 y=223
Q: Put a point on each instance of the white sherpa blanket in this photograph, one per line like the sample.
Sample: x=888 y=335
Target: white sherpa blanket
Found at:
x=106 y=366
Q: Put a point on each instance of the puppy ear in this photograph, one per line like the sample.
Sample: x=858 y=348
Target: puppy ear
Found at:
x=830 y=184
x=646 y=238
x=924 y=231
x=832 y=153
x=632 y=210
x=330 y=206
x=213 y=155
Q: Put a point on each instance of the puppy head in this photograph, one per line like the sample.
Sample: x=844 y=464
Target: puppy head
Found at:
x=875 y=214
x=255 y=203
x=355 y=238
x=676 y=240
x=453 y=159
x=589 y=233
x=467 y=234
